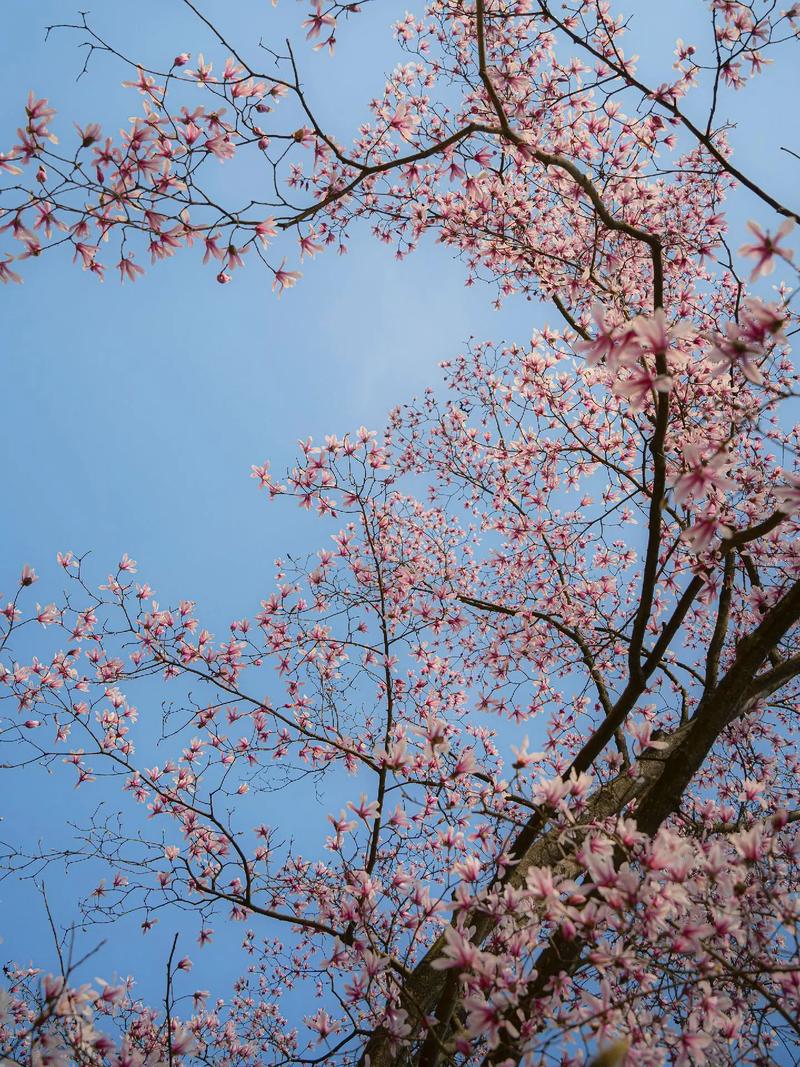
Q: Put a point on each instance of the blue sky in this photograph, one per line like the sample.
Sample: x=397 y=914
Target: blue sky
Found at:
x=132 y=414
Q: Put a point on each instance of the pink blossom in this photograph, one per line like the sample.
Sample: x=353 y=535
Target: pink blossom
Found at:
x=404 y=121
x=322 y=1023
x=318 y=21
x=766 y=248
x=86 y=253
x=653 y=331
x=221 y=146
x=285 y=279
x=732 y=350
x=129 y=269
x=523 y=757
x=212 y=247
x=642 y=732
x=6 y=273
x=639 y=384
x=365 y=809
x=89 y=134
x=182 y=1042
x=304 y=137
x=691 y=1048
x=485 y=1020
x=7 y=165
x=144 y=83
x=550 y=792
x=47 y=615
x=704 y=531
x=788 y=495
x=203 y=72
x=28 y=576
x=701 y=475
x=309 y=246
x=39 y=112
x=265 y=230
x=603 y=345
x=459 y=952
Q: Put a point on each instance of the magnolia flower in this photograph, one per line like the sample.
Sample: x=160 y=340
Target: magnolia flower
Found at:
x=221 y=146
x=285 y=279
x=690 y=1049
x=303 y=136
x=7 y=274
x=615 y=346
x=458 y=952
x=602 y=345
x=788 y=495
x=317 y=21
x=266 y=229
x=404 y=121
x=129 y=269
x=7 y=165
x=761 y=321
x=701 y=475
x=322 y=1023
x=639 y=384
x=110 y=995
x=732 y=350
x=86 y=254
x=702 y=533
x=203 y=72
x=642 y=732
x=550 y=792
x=653 y=331
x=38 y=111
x=395 y=1023
x=485 y=1020
x=28 y=576
x=465 y=763
x=399 y=818
x=365 y=809
x=523 y=758
x=766 y=248
x=308 y=246
x=539 y=881
x=88 y=134
x=182 y=1042
x=47 y=615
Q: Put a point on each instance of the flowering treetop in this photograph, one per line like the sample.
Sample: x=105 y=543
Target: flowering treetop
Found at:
x=589 y=541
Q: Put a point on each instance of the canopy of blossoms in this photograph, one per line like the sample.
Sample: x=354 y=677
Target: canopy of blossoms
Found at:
x=549 y=657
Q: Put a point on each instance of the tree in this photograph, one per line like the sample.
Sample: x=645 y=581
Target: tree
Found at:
x=590 y=540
